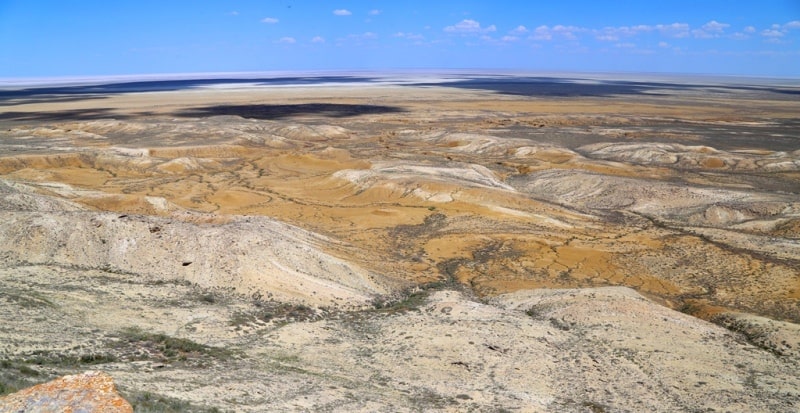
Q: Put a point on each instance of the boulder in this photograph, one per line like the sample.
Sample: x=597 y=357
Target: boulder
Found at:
x=92 y=391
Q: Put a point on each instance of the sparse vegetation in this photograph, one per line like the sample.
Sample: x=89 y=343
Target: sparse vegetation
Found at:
x=139 y=344
x=272 y=311
x=146 y=402
x=269 y=312
x=594 y=407
x=16 y=375
x=43 y=358
x=413 y=298
x=208 y=298
x=410 y=301
x=427 y=399
x=20 y=373
x=28 y=299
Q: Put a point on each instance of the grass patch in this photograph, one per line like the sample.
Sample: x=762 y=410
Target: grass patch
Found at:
x=271 y=311
x=42 y=358
x=15 y=376
x=540 y=311
x=428 y=399
x=145 y=345
x=203 y=296
x=207 y=298
x=414 y=298
x=285 y=358
x=29 y=299
x=146 y=402
x=594 y=407
x=410 y=301
x=296 y=312
x=18 y=374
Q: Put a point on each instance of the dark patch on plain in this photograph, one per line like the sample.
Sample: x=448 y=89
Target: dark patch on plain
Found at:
x=273 y=112
x=60 y=115
x=542 y=86
x=49 y=93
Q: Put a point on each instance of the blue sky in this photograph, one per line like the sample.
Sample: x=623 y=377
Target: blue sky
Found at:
x=86 y=38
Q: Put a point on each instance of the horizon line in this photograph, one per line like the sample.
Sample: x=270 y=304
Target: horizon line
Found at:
x=11 y=82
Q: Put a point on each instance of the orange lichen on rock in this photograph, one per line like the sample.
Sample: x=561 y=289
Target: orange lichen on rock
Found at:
x=92 y=391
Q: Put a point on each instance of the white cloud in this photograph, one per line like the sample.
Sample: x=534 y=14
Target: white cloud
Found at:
x=269 y=20
x=625 y=45
x=568 y=32
x=317 y=39
x=342 y=12
x=374 y=12
x=777 y=31
x=607 y=37
x=548 y=33
x=615 y=33
x=287 y=40
x=409 y=36
x=233 y=13
x=710 y=30
x=362 y=36
x=620 y=34
x=519 y=30
x=772 y=33
x=468 y=26
x=509 y=39
x=542 y=33
x=676 y=30
x=715 y=27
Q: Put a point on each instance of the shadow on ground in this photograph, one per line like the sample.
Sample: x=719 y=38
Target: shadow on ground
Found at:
x=97 y=91
x=263 y=112
x=60 y=115
x=271 y=112
x=577 y=87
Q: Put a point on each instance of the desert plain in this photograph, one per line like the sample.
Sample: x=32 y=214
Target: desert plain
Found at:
x=408 y=242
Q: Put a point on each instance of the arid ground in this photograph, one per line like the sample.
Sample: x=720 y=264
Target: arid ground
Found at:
x=460 y=242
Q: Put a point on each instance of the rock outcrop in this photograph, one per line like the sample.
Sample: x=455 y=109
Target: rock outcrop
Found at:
x=90 y=392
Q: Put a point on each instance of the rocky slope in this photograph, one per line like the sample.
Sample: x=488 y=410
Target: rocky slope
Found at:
x=437 y=350
x=251 y=256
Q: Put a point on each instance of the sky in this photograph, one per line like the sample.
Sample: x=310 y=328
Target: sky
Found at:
x=128 y=37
